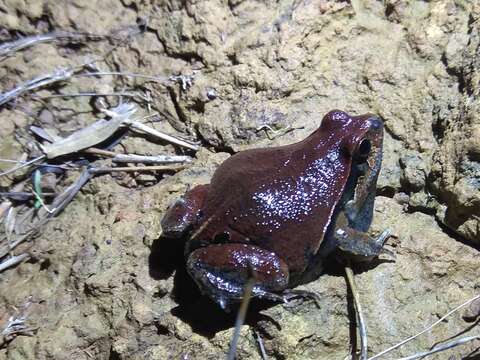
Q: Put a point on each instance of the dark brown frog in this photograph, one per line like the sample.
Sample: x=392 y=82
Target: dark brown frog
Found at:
x=275 y=214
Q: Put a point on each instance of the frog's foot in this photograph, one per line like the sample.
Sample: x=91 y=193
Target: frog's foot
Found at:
x=222 y=271
x=358 y=246
x=183 y=213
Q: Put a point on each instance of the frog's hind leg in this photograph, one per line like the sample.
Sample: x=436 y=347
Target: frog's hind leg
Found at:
x=222 y=271
x=184 y=212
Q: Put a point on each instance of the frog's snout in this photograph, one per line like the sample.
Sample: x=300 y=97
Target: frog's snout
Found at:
x=375 y=122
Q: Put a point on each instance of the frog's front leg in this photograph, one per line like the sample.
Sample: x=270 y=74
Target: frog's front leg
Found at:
x=359 y=246
x=184 y=212
x=223 y=270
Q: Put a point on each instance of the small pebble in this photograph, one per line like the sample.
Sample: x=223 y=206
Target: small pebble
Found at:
x=211 y=94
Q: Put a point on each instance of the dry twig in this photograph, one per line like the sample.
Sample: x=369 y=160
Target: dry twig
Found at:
x=13 y=260
x=144 y=159
x=136 y=125
x=261 y=347
x=104 y=170
x=160 y=79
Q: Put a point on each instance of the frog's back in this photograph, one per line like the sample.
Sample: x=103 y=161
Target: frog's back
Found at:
x=281 y=199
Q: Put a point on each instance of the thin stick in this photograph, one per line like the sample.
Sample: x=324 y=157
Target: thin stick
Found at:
x=426 y=329
x=14 y=260
x=442 y=347
x=42 y=80
x=12 y=46
x=125 y=74
x=259 y=340
x=90 y=94
x=146 y=129
x=62 y=200
x=100 y=152
x=12 y=161
x=104 y=170
x=360 y=319
x=15 y=45
x=25 y=164
x=145 y=159
x=242 y=313
x=23 y=194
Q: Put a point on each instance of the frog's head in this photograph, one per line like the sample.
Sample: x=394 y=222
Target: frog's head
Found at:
x=361 y=136
x=361 y=139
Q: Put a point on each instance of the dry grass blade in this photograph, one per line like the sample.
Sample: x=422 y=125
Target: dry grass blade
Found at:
x=62 y=200
x=358 y=309
x=22 y=223
x=42 y=80
x=11 y=46
x=426 y=329
x=92 y=135
x=7 y=48
x=160 y=79
x=129 y=94
x=23 y=165
x=44 y=134
x=10 y=222
x=16 y=324
x=10 y=227
x=30 y=224
x=242 y=313
x=442 y=347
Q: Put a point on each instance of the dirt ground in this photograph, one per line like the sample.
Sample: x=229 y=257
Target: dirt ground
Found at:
x=100 y=281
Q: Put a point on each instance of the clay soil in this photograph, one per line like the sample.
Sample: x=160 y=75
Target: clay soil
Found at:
x=100 y=281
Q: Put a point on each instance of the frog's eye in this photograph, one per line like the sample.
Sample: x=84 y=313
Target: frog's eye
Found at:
x=363 y=151
x=364 y=148
x=335 y=119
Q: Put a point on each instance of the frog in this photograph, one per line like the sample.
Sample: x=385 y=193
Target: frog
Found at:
x=277 y=214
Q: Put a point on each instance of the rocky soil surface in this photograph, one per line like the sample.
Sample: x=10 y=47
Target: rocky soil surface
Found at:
x=102 y=283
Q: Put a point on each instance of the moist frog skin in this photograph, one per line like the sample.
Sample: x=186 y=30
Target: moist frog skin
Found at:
x=279 y=212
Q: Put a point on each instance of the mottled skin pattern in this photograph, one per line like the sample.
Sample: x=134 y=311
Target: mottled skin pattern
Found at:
x=275 y=214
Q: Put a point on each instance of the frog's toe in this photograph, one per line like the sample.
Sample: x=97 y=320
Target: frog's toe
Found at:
x=387 y=255
x=289 y=295
x=380 y=240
